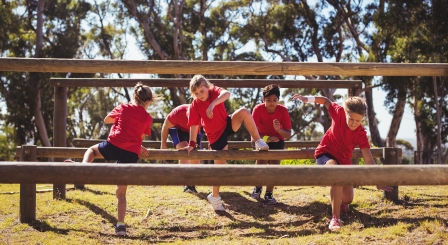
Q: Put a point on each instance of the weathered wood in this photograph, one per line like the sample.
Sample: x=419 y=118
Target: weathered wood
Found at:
x=77 y=142
x=391 y=156
x=27 y=203
x=183 y=82
x=171 y=154
x=217 y=174
x=59 y=130
x=222 y=67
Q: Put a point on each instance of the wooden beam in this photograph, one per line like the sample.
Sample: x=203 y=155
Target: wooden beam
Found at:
x=226 y=83
x=222 y=67
x=232 y=144
x=217 y=174
x=70 y=152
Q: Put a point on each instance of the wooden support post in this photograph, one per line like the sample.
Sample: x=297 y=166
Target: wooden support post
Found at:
x=391 y=157
x=28 y=190
x=59 y=130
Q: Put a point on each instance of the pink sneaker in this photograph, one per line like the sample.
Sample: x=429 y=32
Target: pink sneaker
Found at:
x=344 y=208
x=335 y=224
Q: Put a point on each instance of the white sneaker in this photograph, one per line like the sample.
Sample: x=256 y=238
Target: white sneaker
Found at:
x=261 y=145
x=215 y=202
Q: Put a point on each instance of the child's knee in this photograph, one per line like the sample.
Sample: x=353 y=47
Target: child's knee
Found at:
x=121 y=190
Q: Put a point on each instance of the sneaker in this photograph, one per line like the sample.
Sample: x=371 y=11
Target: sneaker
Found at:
x=120 y=230
x=215 y=202
x=256 y=193
x=190 y=189
x=335 y=224
x=344 y=208
x=261 y=145
x=270 y=199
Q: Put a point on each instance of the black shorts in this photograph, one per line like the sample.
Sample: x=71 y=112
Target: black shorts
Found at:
x=111 y=152
x=178 y=135
x=323 y=158
x=222 y=141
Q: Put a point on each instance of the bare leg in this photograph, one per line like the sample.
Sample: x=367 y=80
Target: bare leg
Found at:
x=121 y=201
x=215 y=192
x=241 y=116
x=272 y=162
x=335 y=195
x=91 y=153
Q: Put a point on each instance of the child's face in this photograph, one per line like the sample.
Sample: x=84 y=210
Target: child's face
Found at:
x=201 y=93
x=353 y=120
x=271 y=102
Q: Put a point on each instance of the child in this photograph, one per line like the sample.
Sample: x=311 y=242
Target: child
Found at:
x=274 y=124
x=176 y=126
x=337 y=145
x=130 y=123
x=208 y=110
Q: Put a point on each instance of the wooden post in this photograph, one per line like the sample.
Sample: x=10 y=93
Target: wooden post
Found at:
x=391 y=157
x=28 y=190
x=59 y=130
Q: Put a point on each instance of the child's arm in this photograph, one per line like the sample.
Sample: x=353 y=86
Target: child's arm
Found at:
x=109 y=119
x=316 y=99
x=283 y=132
x=368 y=159
x=164 y=134
x=193 y=135
x=223 y=96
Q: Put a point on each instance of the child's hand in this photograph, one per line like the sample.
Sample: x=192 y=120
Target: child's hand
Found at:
x=276 y=124
x=384 y=188
x=272 y=139
x=186 y=148
x=144 y=151
x=299 y=97
x=210 y=111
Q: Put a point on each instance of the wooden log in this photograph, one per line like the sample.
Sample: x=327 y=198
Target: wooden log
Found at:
x=77 y=142
x=226 y=83
x=217 y=174
x=27 y=202
x=59 y=133
x=71 y=152
x=222 y=67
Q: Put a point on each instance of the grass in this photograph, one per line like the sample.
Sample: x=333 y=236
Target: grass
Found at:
x=174 y=217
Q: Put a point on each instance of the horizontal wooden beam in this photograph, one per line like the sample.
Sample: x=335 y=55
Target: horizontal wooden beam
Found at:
x=226 y=83
x=70 y=152
x=222 y=67
x=232 y=144
x=230 y=175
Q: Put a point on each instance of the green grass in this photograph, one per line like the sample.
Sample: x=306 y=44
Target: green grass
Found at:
x=301 y=217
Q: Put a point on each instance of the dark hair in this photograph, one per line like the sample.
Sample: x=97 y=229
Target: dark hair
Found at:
x=142 y=93
x=356 y=105
x=270 y=90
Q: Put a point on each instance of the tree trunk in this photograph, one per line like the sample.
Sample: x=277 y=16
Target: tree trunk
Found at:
x=35 y=78
x=373 y=123
x=391 y=139
x=418 y=155
x=439 y=125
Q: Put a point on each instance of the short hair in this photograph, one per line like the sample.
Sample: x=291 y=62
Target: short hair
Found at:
x=198 y=81
x=270 y=90
x=356 y=105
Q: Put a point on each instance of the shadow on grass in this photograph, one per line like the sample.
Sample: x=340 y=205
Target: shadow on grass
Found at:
x=43 y=226
x=95 y=209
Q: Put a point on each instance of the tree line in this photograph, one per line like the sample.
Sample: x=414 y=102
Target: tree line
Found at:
x=394 y=31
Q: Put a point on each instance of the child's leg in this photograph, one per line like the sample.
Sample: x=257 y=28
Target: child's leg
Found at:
x=121 y=201
x=347 y=194
x=91 y=153
x=336 y=198
x=215 y=192
x=241 y=116
x=272 y=162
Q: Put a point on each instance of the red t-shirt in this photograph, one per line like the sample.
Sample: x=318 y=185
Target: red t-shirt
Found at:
x=264 y=120
x=131 y=122
x=339 y=140
x=213 y=127
x=178 y=117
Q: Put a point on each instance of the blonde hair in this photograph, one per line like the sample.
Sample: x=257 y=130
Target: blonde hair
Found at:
x=356 y=105
x=198 y=81
x=143 y=94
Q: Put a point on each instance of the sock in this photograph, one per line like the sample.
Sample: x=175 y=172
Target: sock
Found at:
x=258 y=189
x=120 y=223
x=268 y=193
